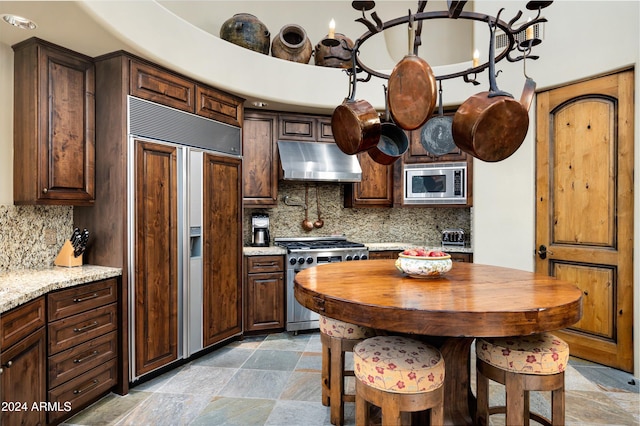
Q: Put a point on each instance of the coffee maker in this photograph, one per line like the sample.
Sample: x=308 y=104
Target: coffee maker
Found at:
x=260 y=230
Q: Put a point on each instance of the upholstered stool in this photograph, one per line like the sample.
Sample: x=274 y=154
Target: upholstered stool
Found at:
x=399 y=375
x=521 y=364
x=338 y=337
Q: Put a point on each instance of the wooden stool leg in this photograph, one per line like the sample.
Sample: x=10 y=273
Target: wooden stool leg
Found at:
x=514 y=386
x=326 y=372
x=557 y=407
x=526 y=408
x=391 y=410
x=362 y=407
x=482 y=411
x=337 y=382
x=437 y=415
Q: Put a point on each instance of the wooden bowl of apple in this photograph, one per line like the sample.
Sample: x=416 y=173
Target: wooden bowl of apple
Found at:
x=422 y=263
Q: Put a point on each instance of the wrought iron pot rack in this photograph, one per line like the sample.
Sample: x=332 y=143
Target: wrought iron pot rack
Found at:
x=455 y=11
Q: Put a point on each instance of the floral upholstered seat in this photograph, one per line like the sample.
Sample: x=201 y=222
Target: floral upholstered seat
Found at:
x=398 y=364
x=537 y=354
x=344 y=330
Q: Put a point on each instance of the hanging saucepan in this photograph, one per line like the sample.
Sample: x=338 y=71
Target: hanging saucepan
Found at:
x=412 y=89
x=355 y=123
x=436 y=135
x=393 y=140
x=492 y=125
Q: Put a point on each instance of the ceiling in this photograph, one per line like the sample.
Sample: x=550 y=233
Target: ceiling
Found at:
x=67 y=24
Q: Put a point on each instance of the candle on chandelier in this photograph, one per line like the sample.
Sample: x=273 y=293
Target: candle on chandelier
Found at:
x=476 y=57
x=529 y=31
x=332 y=29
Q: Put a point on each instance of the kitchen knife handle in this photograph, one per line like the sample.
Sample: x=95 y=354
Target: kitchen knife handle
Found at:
x=86 y=327
x=82 y=299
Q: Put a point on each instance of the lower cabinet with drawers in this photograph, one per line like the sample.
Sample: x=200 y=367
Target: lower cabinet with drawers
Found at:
x=264 y=308
x=58 y=353
x=82 y=348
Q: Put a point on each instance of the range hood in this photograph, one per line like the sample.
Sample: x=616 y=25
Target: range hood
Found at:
x=316 y=161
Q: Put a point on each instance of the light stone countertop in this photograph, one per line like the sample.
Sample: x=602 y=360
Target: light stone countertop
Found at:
x=276 y=250
x=401 y=246
x=21 y=286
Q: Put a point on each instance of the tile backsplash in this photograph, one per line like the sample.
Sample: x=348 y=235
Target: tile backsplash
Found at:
x=32 y=236
x=418 y=225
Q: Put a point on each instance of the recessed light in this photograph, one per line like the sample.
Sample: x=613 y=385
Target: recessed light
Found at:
x=19 y=21
x=260 y=104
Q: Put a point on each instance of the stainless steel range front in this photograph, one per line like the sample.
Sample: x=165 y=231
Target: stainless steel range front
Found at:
x=305 y=252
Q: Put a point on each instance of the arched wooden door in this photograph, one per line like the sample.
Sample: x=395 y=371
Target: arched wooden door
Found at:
x=584 y=209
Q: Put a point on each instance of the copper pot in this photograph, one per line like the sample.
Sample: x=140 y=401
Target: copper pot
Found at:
x=492 y=125
x=393 y=142
x=355 y=123
x=412 y=89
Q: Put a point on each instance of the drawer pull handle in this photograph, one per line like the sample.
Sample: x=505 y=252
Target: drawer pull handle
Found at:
x=82 y=299
x=91 y=355
x=86 y=327
x=92 y=385
x=263 y=265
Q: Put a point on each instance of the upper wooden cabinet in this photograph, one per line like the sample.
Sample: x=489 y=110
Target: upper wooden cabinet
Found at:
x=151 y=82
x=376 y=187
x=54 y=125
x=260 y=163
x=158 y=85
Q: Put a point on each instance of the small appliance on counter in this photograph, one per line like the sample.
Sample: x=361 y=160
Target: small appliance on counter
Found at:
x=453 y=237
x=260 y=230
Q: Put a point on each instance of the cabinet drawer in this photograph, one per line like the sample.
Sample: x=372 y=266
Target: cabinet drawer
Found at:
x=257 y=264
x=76 y=393
x=21 y=321
x=160 y=86
x=219 y=106
x=82 y=298
x=76 y=329
x=68 y=364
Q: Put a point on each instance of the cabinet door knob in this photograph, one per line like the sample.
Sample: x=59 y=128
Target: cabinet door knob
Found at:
x=8 y=364
x=44 y=190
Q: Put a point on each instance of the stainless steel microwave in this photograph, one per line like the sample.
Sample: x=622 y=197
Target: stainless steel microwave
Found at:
x=435 y=183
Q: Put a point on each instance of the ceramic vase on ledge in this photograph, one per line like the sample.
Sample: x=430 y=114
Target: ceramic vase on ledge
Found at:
x=336 y=56
x=247 y=31
x=292 y=44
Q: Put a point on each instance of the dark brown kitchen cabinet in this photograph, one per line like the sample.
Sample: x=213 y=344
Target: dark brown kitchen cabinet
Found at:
x=23 y=364
x=265 y=290
x=376 y=187
x=156 y=256
x=218 y=105
x=158 y=85
x=384 y=254
x=461 y=257
x=260 y=159
x=82 y=346
x=222 y=228
x=324 y=131
x=297 y=127
x=54 y=125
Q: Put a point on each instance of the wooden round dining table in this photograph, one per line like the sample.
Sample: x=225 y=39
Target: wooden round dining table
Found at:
x=472 y=300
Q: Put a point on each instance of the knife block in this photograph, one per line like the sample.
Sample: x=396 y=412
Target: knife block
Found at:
x=66 y=257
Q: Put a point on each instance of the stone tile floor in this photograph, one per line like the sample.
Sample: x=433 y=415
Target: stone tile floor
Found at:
x=275 y=380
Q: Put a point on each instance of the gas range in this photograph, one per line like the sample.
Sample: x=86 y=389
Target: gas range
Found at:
x=305 y=252
x=309 y=251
